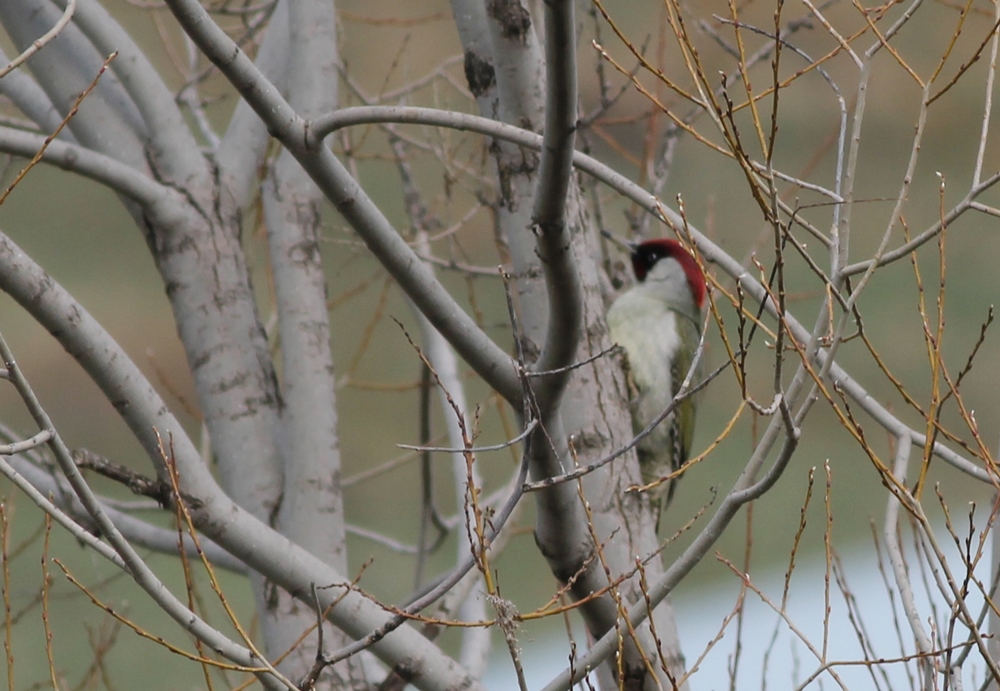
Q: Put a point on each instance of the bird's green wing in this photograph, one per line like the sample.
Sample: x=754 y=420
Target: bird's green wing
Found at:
x=682 y=430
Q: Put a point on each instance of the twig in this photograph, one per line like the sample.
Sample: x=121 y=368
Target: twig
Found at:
x=40 y=43
x=48 y=140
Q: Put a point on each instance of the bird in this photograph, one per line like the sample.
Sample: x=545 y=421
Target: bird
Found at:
x=658 y=323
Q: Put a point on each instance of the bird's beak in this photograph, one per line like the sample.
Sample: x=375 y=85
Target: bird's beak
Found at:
x=624 y=245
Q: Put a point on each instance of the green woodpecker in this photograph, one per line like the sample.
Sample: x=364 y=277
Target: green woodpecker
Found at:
x=658 y=324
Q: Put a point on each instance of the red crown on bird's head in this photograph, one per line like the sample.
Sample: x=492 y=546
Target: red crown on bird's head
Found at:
x=646 y=254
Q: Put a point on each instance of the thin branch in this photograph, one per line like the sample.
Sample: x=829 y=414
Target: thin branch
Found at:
x=528 y=429
x=40 y=42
